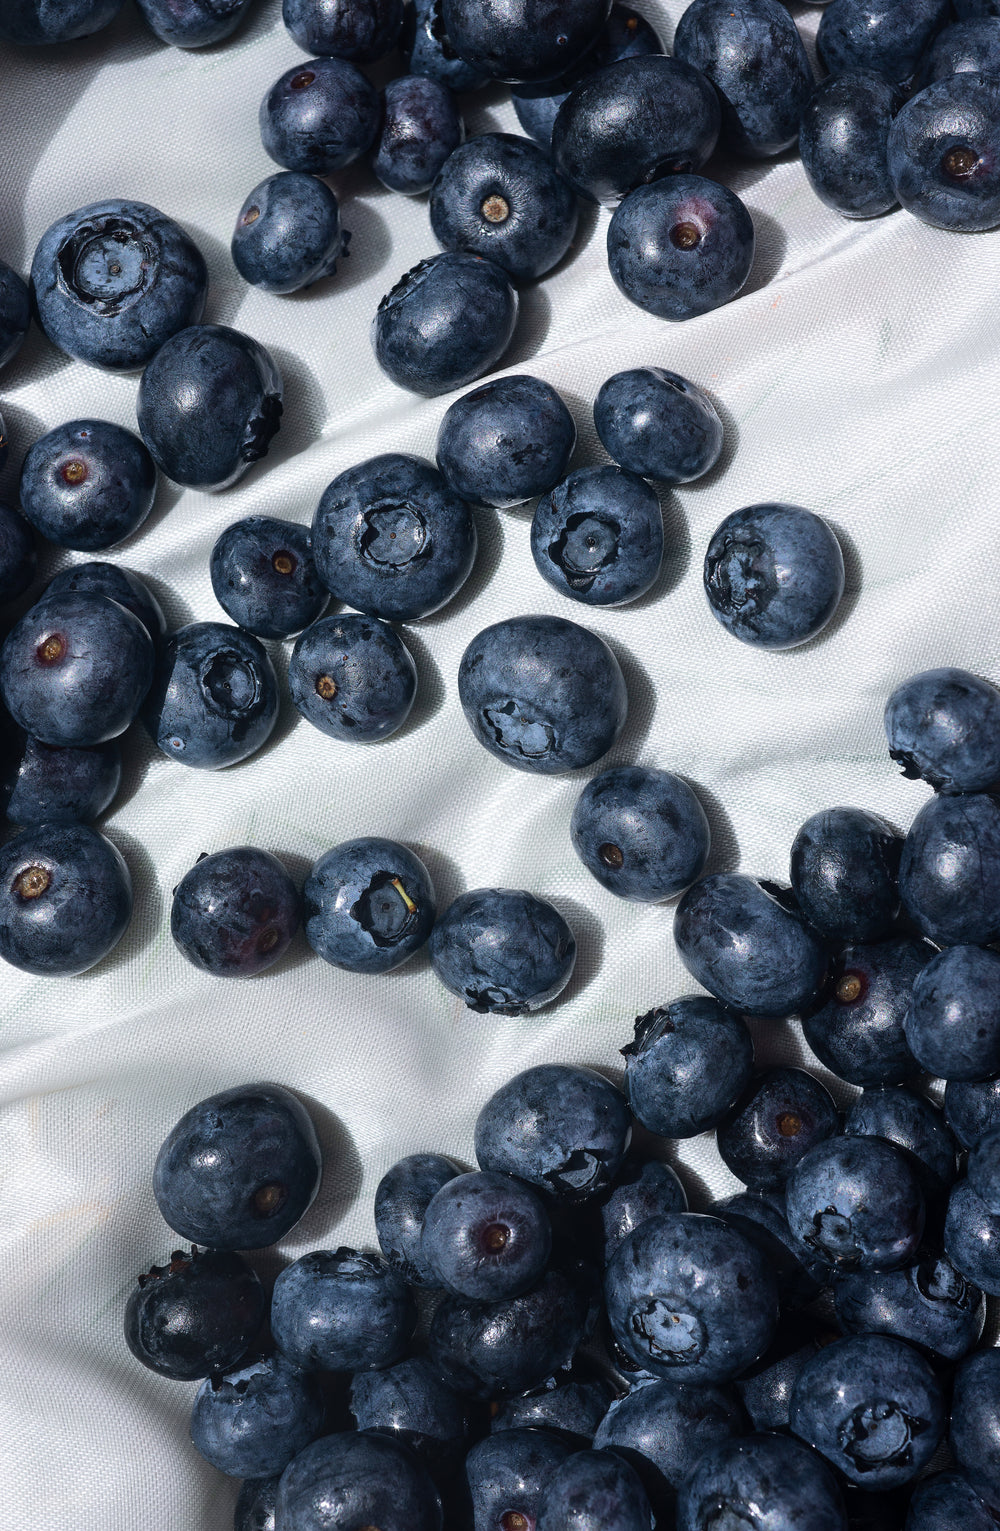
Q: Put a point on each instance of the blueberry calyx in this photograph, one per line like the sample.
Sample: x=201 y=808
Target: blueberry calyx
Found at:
x=523 y=735
x=52 y=649
x=655 y=1023
x=106 y=264
x=387 y=919
x=586 y=545
x=833 y=1238
x=735 y=574
x=32 y=882
x=669 y=1333
x=960 y=162
x=261 y=428
x=394 y=536
x=877 y=1434
x=684 y=236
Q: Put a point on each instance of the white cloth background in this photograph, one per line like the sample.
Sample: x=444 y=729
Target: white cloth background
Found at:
x=857 y=375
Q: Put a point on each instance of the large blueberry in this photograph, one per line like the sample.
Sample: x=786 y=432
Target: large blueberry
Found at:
x=641 y=832
x=41 y=782
x=391 y=539
x=421 y=127
x=944 y=153
x=844 y=139
x=18 y=553
x=353 y=678
x=446 y=321
x=972 y=1109
x=928 y=1303
x=288 y=233
x=975 y=1424
x=857 y=1203
x=410 y=1402
x=486 y=1236
x=264 y=576
x=844 y=873
x=784 y=1112
x=214 y=699
x=507 y=1475
x=913 y=1122
x=428 y=52
x=364 y=1480
x=235 y=913
x=15 y=313
x=509 y=1346
x=659 y=424
x=402 y=1197
x=34 y=22
x=972 y=1238
x=594 y=1491
x=857 y=1029
x=319 y=116
x=87 y=484
x=368 y=905
x=865 y=34
x=944 y=726
x=947 y=1500
x=192 y=23
x=502 y=950
x=362 y=30
x=643 y=1188
x=120 y=585
x=519 y=40
x=953 y=1024
x=505 y=442
x=688 y=1065
x=65 y=899
x=542 y=693
x=341 y=1311
x=195 y=1315
x=680 y=247
x=113 y=280
x=765 y=1481
x=949 y=874
x=664 y=1427
x=252 y=1420
x=598 y=537
x=774 y=574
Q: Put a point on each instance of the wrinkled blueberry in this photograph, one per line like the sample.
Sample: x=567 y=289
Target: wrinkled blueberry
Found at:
x=87 y=484
x=972 y=1238
x=486 y=1236
x=401 y=1199
x=319 y=116
x=944 y=726
x=65 y=899
x=680 y=247
x=235 y=912
x=428 y=52
x=288 y=233
x=362 y=30
x=858 y=1030
x=594 y=1491
x=264 y=576
x=42 y=782
x=784 y=1113
x=562 y=1128
x=944 y=152
x=949 y=874
x=192 y=23
x=195 y=1315
x=688 y=1065
x=446 y=321
x=340 y=1310
x=15 y=312
x=421 y=127
x=864 y=34
x=353 y=678
x=251 y=1421
x=502 y=950
x=641 y=832
x=505 y=442
x=214 y=699
x=509 y=1346
x=774 y=575
x=844 y=873
x=520 y=40
x=364 y=1480
x=857 y=1203
x=368 y=905
x=843 y=140
x=120 y=585
x=953 y=1024
x=658 y=424
x=975 y=1424
x=18 y=554
x=764 y=1479
x=928 y=1303
x=598 y=537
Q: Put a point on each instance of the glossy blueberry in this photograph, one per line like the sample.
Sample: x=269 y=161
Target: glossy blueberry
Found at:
x=428 y=52
x=945 y=1501
x=972 y=1109
x=542 y=693
x=843 y=141
x=499 y=196
x=872 y=1406
x=658 y=424
x=15 y=313
x=509 y=1346
x=319 y=116
x=446 y=321
x=688 y=1065
x=120 y=585
x=192 y=23
x=391 y=539
x=288 y=233
x=864 y=34
x=209 y=404
x=953 y=1025
x=357 y=1479
x=774 y=575
x=410 y=1402
x=598 y=537
x=87 y=485
x=507 y=1475
x=690 y=1299
x=255 y=1504
x=34 y=22
x=844 y=873
x=486 y=1236
x=742 y=940
x=572 y=1407
x=234 y=913
x=562 y=1128
x=264 y=576
x=65 y=899
x=975 y=1424
x=252 y=1420
x=949 y=874
x=42 y=782
x=401 y=1199
x=972 y=1238
x=195 y=1315
x=858 y=1029
x=983 y=1170
x=662 y=1429
x=766 y=1387
x=784 y=1113
x=505 y=442
x=928 y=1303
x=761 y=1219
x=944 y=148
x=368 y=905
x=339 y=1310
x=502 y=950
x=857 y=1203
x=768 y=1479
x=362 y=30
x=641 y=832
x=680 y=247
x=913 y=1122
x=944 y=726
x=18 y=553
x=421 y=127
x=214 y=699
x=643 y=1188
x=594 y=1491
x=239 y=1169
x=114 y=280
x=972 y=45
x=523 y=40
x=75 y=669
x=353 y=678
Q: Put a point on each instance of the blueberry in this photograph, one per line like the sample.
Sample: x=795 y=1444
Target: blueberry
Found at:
x=774 y=575
x=542 y=693
x=87 y=485
x=319 y=116
x=843 y=141
x=239 y=1169
x=255 y=1504
x=688 y=1065
x=641 y=832
x=844 y=873
x=507 y=1475
x=766 y=1387
x=15 y=312
x=943 y=151
x=858 y=1029
x=339 y=1310
x=410 y=1402
x=594 y=1491
x=972 y=1109
x=35 y=22
x=209 y=404
x=947 y=1500
x=114 y=280
x=522 y=40
x=572 y=1407
x=662 y=1429
x=983 y=1170
x=863 y=34
x=744 y=942
x=65 y=899
x=598 y=537
x=428 y=52
x=446 y=321
x=362 y=30
x=75 y=669
x=195 y=1315
x=120 y=585
x=251 y=1421
x=486 y=1236
x=643 y=1188
x=353 y=678
x=972 y=45
x=391 y=539
x=363 y=1480
x=783 y=1114
x=401 y=1199
x=509 y=1346
x=18 y=553
x=928 y=1303
x=369 y=905
x=421 y=127
x=949 y=875
x=944 y=726
x=914 y=1123
x=235 y=912
x=972 y=1238
x=42 y=782
x=505 y=442
x=499 y=196
x=192 y=23
x=502 y=950
x=658 y=424
x=975 y=1424
x=690 y=1299
x=953 y=1025
x=264 y=576
x=214 y=699
x=761 y=1219
x=288 y=233
x=562 y=1128
x=857 y=1204
x=769 y=1479
x=964 y=9
x=680 y=247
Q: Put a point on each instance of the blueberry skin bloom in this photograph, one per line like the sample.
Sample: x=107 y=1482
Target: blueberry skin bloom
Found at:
x=873 y=1407
x=235 y=913
x=944 y=726
x=499 y=196
x=40 y=782
x=264 y=577
x=341 y=1311
x=18 y=554
x=859 y=1032
x=214 y=698
x=864 y=34
x=929 y=1304
x=784 y=1113
x=209 y=404
x=766 y=1481
x=39 y=21
x=195 y=1315
x=447 y=320
x=972 y=1238
x=368 y=905
x=975 y=1423
x=755 y=58
x=502 y=951
x=658 y=424
x=944 y=153
x=594 y=1491
x=949 y=874
x=507 y=441
x=120 y=585
x=843 y=141
x=288 y=233
x=75 y=669
x=687 y=1067
x=353 y=678
x=944 y=1501
x=355 y=1479
x=87 y=485
x=742 y=942
x=252 y=1421
x=953 y=1024
x=680 y=247
x=844 y=873
x=192 y=23
x=15 y=313
x=113 y=280
x=391 y=539
x=65 y=899
x=510 y=1346
x=542 y=693
x=665 y=1427
x=319 y=116
x=690 y=1299
x=507 y=1476
x=598 y=537
x=523 y=40
x=362 y=30
x=401 y=1200
x=641 y=832
x=239 y=1169
x=857 y=1204
x=421 y=126
x=774 y=575
x=486 y=1236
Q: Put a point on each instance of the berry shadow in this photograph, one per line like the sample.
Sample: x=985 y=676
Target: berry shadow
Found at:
x=446 y=878
x=589 y=933
x=368 y=249
x=780 y=1044
x=730 y=448
x=588 y=215
x=851 y=595
x=490 y=532
x=676 y=551
x=149 y=911
x=177 y=611
x=226 y=288
x=534 y=317
x=769 y=253
x=699 y=1193
x=36 y=363
x=304 y=412
x=481 y=110
x=138 y=754
x=167 y=495
x=431 y=691
x=641 y=706
x=740 y=174
x=342 y=1175
x=22 y=430
x=724 y=848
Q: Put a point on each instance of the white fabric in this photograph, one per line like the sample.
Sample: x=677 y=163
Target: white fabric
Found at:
x=857 y=375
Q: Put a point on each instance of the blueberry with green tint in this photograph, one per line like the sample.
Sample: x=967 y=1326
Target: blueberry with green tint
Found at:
x=368 y=905
x=761 y=1470
x=445 y=322
x=255 y=1504
x=341 y=1311
x=15 y=313
x=506 y=1476
x=946 y=1500
x=943 y=726
x=845 y=873
x=972 y=1109
x=119 y=585
x=774 y=575
x=571 y=1406
x=255 y=1418
x=421 y=127
x=949 y=873
x=319 y=116
x=929 y=1303
x=401 y=1199
x=264 y=577
x=18 y=553
x=288 y=233
x=507 y=441
x=486 y=1236
x=515 y=41
x=844 y=142
x=235 y=913
x=427 y=51
x=662 y=1429
x=681 y=246
x=192 y=23
x=353 y=678
x=760 y=1217
x=658 y=424
x=643 y=1188
x=87 y=485
x=688 y=1065
x=783 y=1114
x=915 y=1123
x=972 y=1238
x=372 y=1481
x=862 y=34
x=641 y=832
x=857 y=1203
x=975 y=1424
x=598 y=537
x=344 y=28
x=65 y=899
x=503 y=951
x=409 y=1402
x=41 y=782
x=943 y=148
x=214 y=698
x=594 y=1491
x=857 y=1028
x=195 y=1315
x=953 y=1025
x=482 y=1349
